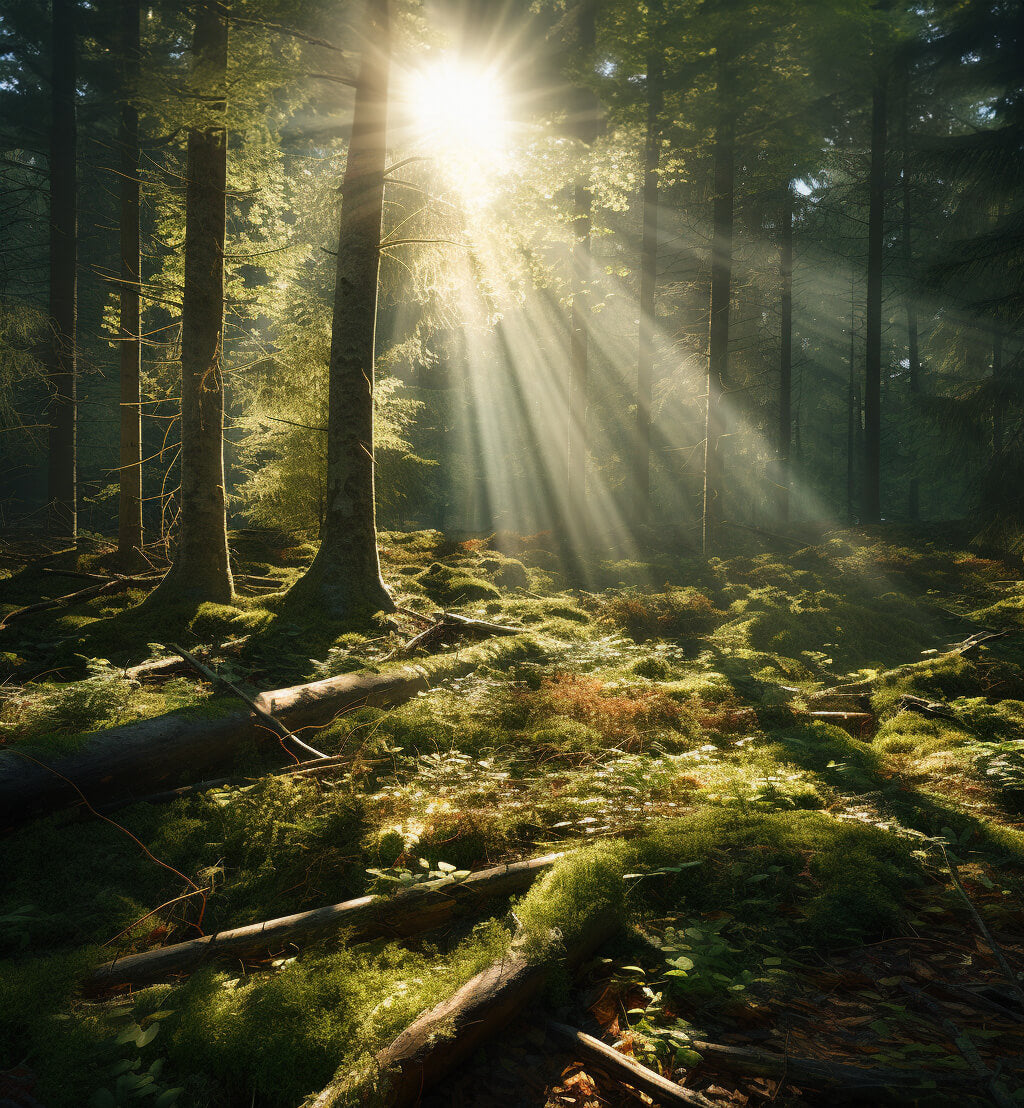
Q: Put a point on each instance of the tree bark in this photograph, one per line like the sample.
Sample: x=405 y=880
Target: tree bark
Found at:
x=344 y=578
x=123 y=763
x=641 y=506
x=718 y=331
x=62 y=482
x=576 y=446
x=852 y=409
x=409 y=912
x=129 y=518
x=997 y=379
x=786 y=351
x=872 y=503
x=201 y=569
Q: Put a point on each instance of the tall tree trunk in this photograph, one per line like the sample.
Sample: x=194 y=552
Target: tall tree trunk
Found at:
x=872 y=508
x=648 y=271
x=718 y=331
x=344 y=579
x=201 y=569
x=62 y=354
x=852 y=410
x=129 y=519
x=586 y=130
x=997 y=379
x=786 y=351
x=910 y=302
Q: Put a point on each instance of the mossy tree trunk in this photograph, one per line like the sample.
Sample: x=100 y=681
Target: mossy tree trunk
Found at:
x=62 y=478
x=344 y=579
x=648 y=269
x=201 y=569
x=129 y=526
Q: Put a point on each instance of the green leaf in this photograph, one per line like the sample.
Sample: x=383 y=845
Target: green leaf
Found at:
x=144 y=1038
x=167 y=1098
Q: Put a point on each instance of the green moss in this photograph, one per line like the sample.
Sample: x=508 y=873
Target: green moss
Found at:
x=448 y=586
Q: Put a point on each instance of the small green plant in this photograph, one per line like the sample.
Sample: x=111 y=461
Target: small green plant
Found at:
x=394 y=878
x=129 y=1081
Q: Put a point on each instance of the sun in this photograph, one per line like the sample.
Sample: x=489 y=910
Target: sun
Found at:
x=459 y=109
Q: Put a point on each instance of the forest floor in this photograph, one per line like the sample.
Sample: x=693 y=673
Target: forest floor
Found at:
x=782 y=858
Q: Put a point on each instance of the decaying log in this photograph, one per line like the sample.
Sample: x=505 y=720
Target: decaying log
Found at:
x=409 y=912
x=875 y=1083
x=625 y=1069
x=442 y=1037
x=126 y=762
x=828 y=701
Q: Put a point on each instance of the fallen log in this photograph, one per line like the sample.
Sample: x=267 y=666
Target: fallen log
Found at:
x=439 y=1039
x=409 y=912
x=113 y=584
x=624 y=1069
x=818 y=1073
x=856 y=724
x=118 y=765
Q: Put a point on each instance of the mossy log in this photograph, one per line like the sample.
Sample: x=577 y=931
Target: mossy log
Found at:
x=126 y=762
x=438 y=1040
x=410 y=912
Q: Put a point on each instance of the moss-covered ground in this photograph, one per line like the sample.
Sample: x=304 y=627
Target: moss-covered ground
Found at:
x=779 y=874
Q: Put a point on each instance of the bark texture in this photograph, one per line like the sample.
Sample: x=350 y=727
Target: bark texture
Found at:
x=344 y=579
x=129 y=515
x=201 y=569
x=62 y=480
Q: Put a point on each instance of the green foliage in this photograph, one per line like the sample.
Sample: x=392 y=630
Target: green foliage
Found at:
x=449 y=585
x=678 y=614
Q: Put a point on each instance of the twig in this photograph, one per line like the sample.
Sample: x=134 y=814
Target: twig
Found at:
x=996 y=949
x=275 y=725
x=626 y=1070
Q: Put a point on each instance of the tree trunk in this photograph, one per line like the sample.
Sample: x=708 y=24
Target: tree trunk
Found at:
x=852 y=410
x=129 y=526
x=786 y=351
x=344 y=579
x=62 y=354
x=718 y=332
x=997 y=379
x=576 y=446
x=872 y=506
x=913 y=341
x=201 y=569
x=648 y=272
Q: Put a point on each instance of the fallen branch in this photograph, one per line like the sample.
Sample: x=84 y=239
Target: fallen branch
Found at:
x=114 y=584
x=625 y=1069
x=409 y=912
x=261 y=713
x=439 y=1039
x=816 y=1072
x=1012 y=979
x=450 y=625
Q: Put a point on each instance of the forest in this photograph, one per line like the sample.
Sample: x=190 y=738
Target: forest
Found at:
x=511 y=553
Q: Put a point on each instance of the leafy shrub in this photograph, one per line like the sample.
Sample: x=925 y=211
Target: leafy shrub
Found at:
x=677 y=614
x=446 y=585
